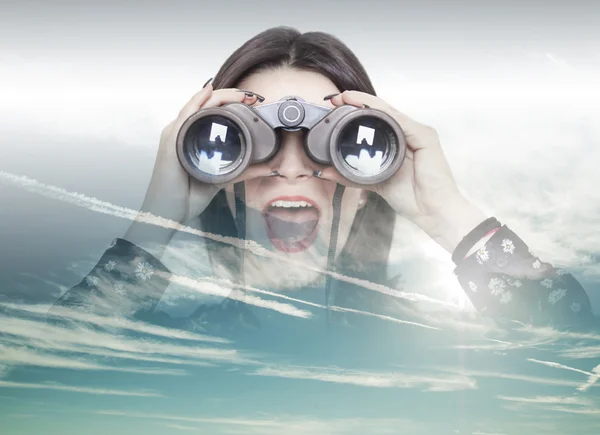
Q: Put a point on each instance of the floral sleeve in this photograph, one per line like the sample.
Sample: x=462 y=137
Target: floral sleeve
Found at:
x=126 y=280
x=505 y=279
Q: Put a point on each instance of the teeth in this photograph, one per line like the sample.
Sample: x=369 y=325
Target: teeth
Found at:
x=290 y=204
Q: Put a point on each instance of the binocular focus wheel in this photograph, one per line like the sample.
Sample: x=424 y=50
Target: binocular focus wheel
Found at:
x=291 y=113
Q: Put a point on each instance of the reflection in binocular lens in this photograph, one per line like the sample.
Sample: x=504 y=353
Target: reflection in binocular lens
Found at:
x=367 y=145
x=214 y=145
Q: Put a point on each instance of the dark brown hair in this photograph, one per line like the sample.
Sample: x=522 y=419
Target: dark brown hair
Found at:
x=366 y=251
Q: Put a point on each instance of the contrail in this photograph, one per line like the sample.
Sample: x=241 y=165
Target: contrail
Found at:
x=212 y=288
x=59 y=387
x=312 y=304
x=105 y=207
x=592 y=377
x=559 y=366
x=381 y=316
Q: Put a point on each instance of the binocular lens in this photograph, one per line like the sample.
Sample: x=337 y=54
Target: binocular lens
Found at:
x=214 y=145
x=367 y=145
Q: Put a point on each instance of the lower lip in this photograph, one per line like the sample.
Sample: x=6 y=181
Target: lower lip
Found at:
x=300 y=245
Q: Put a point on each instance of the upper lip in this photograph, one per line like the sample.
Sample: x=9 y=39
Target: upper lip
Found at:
x=291 y=198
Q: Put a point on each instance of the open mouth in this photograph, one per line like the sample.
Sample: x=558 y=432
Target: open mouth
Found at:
x=292 y=223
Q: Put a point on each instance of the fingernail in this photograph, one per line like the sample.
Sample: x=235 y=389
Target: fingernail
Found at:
x=251 y=94
x=205 y=84
x=329 y=97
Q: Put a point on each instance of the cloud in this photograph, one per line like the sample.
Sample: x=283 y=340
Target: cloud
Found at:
x=88 y=337
x=30 y=343
x=22 y=356
x=531 y=164
x=550 y=201
x=111 y=322
x=497 y=345
x=594 y=377
x=28 y=283
x=24 y=340
x=181 y=427
x=582 y=352
x=73 y=389
x=567 y=344
x=427 y=382
x=64 y=83
x=236 y=291
x=555 y=334
x=56 y=346
x=581 y=411
x=99 y=206
x=283 y=424
x=511 y=376
x=209 y=287
x=567 y=404
x=549 y=400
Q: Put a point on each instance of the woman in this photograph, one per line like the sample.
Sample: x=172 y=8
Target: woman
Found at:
x=494 y=266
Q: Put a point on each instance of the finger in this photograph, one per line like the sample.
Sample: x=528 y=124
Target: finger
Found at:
x=417 y=135
x=208 y=97
x=195 y=103
x=166 y=132
x=359 y=99
x=225 y=96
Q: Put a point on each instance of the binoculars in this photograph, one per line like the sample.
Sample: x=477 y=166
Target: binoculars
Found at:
x=215 y=145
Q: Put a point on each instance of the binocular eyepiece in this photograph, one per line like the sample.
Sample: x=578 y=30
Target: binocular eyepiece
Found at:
x=215 y=145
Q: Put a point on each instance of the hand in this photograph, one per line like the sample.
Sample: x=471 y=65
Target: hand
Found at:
x=172 y=194
x=423 y=190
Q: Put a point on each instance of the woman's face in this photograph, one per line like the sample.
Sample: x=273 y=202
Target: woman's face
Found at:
x=291 y=214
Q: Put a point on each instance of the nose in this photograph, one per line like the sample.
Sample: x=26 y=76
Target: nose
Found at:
x=291 y=161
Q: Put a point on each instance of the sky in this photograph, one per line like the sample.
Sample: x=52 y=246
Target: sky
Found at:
x=85 y=89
